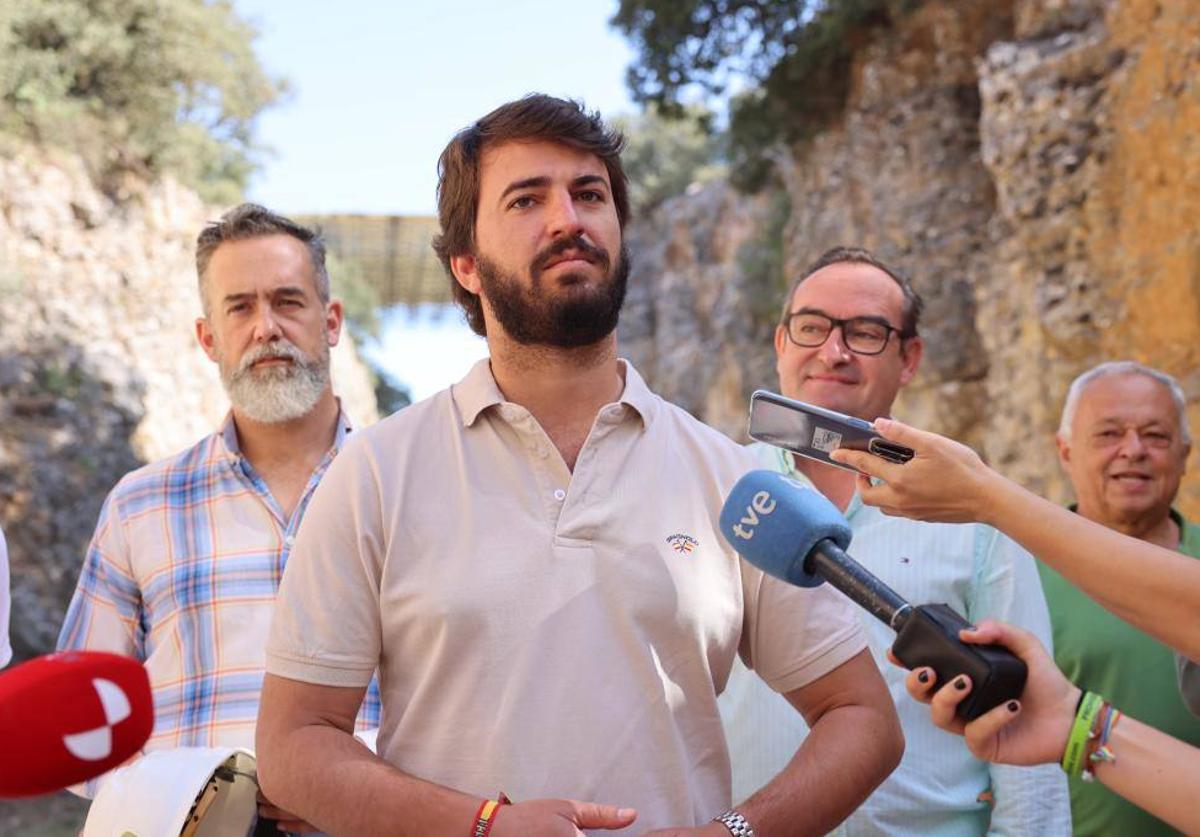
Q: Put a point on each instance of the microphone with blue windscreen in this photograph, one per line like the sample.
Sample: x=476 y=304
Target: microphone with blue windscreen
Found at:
x=794 y=533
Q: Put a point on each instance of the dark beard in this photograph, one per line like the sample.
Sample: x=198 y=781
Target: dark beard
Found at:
x=577 y=316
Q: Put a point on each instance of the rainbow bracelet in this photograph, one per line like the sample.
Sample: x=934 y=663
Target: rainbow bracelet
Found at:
x=1101 y=752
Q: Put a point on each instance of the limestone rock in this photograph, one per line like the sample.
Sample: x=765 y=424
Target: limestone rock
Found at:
x=1032 y=165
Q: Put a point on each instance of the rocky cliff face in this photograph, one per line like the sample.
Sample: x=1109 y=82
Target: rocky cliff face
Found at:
x=1033 y=166
x=99 y=369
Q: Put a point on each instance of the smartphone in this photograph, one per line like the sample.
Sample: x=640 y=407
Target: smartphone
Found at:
x=814 y=431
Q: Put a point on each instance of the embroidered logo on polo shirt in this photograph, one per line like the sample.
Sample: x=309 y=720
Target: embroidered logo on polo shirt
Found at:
x=683 y=544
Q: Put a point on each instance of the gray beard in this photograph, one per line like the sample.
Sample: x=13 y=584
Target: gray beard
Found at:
x=277 y=394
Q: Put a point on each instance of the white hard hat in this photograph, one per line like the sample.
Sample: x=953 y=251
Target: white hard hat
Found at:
x=200 y=791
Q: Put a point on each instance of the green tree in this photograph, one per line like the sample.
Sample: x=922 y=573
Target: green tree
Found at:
x=360 y=299
x=664 y=156
x=145 y=86
x=390 y=395
x=786 y=62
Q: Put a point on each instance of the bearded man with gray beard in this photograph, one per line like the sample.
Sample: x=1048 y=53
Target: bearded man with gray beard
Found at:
x=186 y=559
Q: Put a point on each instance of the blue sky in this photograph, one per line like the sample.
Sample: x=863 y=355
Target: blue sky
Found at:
x=379 y=88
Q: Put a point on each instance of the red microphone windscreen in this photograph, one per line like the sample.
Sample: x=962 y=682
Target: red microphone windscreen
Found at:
x=66 y=718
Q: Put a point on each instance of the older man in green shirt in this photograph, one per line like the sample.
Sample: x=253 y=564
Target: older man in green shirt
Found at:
x=1123 y=442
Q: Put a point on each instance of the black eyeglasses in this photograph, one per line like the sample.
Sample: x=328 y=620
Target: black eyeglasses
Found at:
x=862 y=335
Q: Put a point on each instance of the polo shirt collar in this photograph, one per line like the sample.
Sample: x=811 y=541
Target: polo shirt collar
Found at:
x=478 y=391
x=228 y=439
x=637 y=395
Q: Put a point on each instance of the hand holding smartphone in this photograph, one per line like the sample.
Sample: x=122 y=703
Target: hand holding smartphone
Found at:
x=815 y=432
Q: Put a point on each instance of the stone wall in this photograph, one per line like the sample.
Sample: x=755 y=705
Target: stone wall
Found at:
x=99 y=368
x=1033 y=165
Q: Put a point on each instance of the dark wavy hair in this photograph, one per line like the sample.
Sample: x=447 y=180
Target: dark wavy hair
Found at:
x=534 y=117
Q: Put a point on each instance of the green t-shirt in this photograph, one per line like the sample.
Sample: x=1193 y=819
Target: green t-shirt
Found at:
x=1099 y=652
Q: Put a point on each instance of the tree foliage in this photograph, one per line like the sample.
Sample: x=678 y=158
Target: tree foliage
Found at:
x=390 y=395
x=785 y=62
x=664 y=156
x=149 y=86
x=360 y=298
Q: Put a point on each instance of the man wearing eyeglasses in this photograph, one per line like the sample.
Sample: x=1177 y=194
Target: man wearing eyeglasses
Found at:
x=847 y=341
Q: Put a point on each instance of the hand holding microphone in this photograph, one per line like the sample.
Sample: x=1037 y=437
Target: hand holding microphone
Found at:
x=795 y=534
x=66 y=718
x=1032 y=730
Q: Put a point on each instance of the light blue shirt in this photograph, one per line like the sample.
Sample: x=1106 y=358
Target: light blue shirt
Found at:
x=935 y=790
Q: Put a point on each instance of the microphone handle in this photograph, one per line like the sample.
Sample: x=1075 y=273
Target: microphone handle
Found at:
x=859 y=584
x=926 y=635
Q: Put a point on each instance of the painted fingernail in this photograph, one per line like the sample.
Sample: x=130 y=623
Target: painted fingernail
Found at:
x=923 y=677
x=960 y=683
x=1013 y=706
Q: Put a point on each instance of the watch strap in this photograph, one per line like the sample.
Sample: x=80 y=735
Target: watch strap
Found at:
x=735 y=822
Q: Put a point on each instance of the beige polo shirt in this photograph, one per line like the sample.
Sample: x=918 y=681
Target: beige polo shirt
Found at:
x=538 y=631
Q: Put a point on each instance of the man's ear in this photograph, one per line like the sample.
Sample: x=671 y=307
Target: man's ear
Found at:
x=1064 y=450
x=780 y=344
x=911 y=351
x=334 y=317
x=466 y=270
x=206 y=338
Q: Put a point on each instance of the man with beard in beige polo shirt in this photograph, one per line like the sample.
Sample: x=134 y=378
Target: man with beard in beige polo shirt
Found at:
x=532 y=560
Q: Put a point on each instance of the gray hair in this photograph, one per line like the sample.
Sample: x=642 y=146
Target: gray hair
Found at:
x=249 y=220
x=1123 y=367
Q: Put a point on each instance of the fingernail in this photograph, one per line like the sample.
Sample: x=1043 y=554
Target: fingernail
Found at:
x=923 y=676
x=1013 y=706
x=625 y=812
x=960 y=683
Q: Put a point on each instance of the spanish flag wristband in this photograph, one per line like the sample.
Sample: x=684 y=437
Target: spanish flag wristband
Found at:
x=486 y=815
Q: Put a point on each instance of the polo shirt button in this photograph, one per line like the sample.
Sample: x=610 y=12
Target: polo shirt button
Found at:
x=559 y=494
x=289 y=540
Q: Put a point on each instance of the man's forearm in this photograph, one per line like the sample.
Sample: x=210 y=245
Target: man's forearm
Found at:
x=1156 y=590
x=1154 y=771
x=325 y=776
x=849 y=751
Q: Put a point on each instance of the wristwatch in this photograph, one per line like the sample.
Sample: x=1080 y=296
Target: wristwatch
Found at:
x=736 y=823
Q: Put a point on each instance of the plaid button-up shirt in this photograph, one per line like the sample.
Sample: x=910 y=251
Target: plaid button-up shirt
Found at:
x=182 y=573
